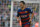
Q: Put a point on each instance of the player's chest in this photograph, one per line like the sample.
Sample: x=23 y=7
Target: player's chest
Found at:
x=23 y=12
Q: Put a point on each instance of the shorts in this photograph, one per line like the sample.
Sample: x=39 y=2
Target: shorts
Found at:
x=26 y=25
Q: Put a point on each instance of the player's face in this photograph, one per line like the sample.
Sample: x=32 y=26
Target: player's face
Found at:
x=21 y=5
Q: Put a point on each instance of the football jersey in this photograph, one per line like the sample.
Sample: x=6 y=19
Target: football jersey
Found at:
x=24 y=15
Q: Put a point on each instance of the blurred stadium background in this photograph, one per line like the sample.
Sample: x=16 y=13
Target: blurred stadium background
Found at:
x=33 y=6
x=5 y=8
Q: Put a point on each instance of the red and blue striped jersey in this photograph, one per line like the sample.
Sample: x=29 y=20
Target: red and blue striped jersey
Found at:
x=24 y=14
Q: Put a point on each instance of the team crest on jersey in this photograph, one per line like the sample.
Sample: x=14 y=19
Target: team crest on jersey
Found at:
x=25 y=11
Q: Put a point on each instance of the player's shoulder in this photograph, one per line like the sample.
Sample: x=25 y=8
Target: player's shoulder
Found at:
x=28 y=8
x=19 y=10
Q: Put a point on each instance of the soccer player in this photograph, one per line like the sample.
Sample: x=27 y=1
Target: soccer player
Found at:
x=24 y=13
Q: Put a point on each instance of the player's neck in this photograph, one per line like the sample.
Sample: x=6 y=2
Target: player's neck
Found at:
x=23 y=8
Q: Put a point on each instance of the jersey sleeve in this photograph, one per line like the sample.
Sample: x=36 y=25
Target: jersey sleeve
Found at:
x=17 y=14
x=30 y=11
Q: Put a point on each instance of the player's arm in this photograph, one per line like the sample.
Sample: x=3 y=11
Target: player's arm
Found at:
x=31 y=17
x=18 y=17
x=30 y=11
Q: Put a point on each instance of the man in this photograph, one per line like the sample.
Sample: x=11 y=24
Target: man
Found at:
x=24 y=13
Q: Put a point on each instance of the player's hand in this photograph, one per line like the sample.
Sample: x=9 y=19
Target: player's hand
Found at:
x=30 y=20
x=18 y=20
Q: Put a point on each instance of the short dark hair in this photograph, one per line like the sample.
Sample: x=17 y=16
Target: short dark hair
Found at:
x=22 y=2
